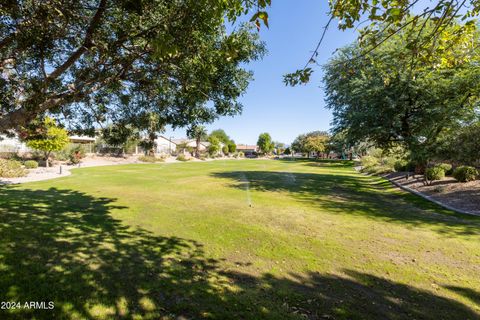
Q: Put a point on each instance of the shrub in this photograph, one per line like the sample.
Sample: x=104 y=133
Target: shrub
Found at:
x=434 y=173
x=76 y=154
x=447 y=167
x=465 y=173
x=150 y=159
x=203 y=158
x=11 y=169
x=181 y=157
x=31 y=164
x=241 y=154
x=369 y=162
x=225 y=150
x=400 y=165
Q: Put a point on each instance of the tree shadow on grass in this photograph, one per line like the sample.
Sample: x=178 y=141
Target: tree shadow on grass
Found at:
x=64 y=246
x=355 y=195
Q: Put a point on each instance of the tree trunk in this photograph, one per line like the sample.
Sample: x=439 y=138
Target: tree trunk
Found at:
x=47 y=155
x=197 y=147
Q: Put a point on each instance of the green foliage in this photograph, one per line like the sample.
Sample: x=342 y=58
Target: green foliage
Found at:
x=265 y=143
x=76 y=154
x=315 y=141
x=115 y=61
x=119 y=135
x=214 y=146
x=30 y=164
x=225 y=150
x=383 y=19
x=400 y=165
x=465 y=173
x=434 y=173
x=11 y=169
x=221 y=136
x=383 y=97
x=46 y=137
x=447 y=167
x=369 y=162
x=461 y=144
x=232 y=147
x=150 y=159
x=241 y=154
x=380 y=161
x=181 y=157
x=287 y=151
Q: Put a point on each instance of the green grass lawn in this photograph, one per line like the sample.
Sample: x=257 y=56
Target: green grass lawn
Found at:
x=239 y=239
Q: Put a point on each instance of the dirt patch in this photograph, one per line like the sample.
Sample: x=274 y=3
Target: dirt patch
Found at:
x=462 y=196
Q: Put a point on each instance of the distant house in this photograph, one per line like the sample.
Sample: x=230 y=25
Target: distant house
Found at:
x=12 y=145
x=15 y=145
x=203 y=146
x=88 y=142
x=165 y=145
x=247 y=149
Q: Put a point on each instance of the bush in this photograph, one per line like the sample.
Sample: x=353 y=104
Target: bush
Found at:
x=434 y=173
x=225 y=150
x=241 y=154
x=31 y=164
x=203 y=158
x=181 y=157
x=369 y=162
x=150 y=159
x=76 y=154
x=11 y=169
x=400 y=165
x=465 y=173
x=447 y=167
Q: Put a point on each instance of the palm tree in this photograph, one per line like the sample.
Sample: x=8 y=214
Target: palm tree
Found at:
x=197 y=132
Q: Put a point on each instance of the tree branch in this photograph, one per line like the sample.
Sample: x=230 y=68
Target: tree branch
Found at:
x=87 y=43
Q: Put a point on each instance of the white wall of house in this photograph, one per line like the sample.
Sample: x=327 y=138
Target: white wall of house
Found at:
x=13 y=145
x=164 y=145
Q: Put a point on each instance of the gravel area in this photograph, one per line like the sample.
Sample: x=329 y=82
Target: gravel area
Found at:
x=462 y=196
x=52 y=172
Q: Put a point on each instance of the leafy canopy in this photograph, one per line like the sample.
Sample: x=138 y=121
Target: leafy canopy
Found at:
x=388 y=98
x=104 y=61
x=265 y=143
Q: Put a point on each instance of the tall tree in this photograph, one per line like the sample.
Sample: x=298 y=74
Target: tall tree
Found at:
x=87 y=60
x=315 y=141
x=265 y=143
x=391 y=97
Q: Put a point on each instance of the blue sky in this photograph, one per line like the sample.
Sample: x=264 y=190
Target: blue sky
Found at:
x=270 y=106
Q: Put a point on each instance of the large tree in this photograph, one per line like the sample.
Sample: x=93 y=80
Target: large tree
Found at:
x=396 y=95
x=315 y=141
x=265 y=143
x=87 y=59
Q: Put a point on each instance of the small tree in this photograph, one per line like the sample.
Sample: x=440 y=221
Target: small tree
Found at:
x=49 y=138
x=265 y=143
